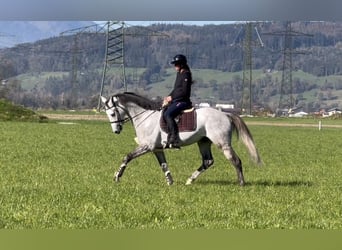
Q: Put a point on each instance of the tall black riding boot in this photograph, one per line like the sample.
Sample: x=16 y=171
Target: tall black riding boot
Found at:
x=172 y=138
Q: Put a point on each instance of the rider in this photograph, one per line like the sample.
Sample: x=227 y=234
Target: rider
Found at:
x=178 y=100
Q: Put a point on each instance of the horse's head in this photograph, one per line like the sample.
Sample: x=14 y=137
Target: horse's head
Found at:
x=114 y=112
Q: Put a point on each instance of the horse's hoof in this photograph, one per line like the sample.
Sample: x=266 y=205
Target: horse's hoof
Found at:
x=189 y=181
x=169 y=178
x=116 y=177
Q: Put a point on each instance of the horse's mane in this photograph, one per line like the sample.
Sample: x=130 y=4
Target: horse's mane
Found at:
x=141 y=101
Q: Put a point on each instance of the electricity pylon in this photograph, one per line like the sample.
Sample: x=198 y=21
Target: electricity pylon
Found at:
x=286 y=100
x=248 y=43
x=115 y=45
x=75 y=49
x=114 y=51
x=114 y=54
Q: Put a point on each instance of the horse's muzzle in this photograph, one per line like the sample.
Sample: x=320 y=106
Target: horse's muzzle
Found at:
x=118 y=129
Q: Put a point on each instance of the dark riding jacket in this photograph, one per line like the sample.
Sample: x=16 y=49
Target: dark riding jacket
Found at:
x=182 y=88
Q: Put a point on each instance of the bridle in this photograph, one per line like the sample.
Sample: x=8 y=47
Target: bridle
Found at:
x=116 y=106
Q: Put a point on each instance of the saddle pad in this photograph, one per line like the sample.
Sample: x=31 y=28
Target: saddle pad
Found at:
x=186 y=122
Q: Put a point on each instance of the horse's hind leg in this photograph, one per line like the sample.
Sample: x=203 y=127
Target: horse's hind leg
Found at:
x=207 y=159
x=230 y=154
x=162 y=162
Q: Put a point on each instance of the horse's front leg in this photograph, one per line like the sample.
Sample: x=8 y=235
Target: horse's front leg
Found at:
x=134 y=154
x=163 y=164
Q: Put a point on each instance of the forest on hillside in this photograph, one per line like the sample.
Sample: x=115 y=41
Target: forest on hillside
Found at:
x=317 y=50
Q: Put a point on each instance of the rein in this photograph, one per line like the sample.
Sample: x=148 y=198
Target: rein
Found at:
x=145 y=118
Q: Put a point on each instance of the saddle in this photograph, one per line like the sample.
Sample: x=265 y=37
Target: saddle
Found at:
x=186 y=121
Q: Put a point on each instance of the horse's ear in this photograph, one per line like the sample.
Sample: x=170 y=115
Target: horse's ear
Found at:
x=103 y=99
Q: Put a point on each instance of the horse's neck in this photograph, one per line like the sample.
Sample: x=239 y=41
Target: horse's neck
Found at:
x=143 y=119
x=138 y=113
x=134 y=111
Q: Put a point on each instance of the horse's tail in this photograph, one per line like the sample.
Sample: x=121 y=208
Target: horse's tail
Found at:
x=245 y=136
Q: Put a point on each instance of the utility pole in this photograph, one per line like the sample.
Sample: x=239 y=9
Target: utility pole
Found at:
x=73 y=99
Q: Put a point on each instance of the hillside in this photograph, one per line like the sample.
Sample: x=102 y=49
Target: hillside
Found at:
x=65 y=72
x=213 y=86
x=16 y=32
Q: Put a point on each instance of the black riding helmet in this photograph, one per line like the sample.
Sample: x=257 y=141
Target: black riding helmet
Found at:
x=179 y=60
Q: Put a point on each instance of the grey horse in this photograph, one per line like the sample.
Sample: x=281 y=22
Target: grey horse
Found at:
x=213 y=127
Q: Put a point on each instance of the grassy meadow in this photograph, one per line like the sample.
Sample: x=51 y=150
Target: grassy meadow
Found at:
x=60 y=176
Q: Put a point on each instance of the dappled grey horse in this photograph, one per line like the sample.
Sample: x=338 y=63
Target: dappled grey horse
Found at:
x=213 y=126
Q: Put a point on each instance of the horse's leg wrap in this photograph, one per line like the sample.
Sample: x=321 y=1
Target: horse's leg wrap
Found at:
x=163 y=165
x=167 y=174
x=205 y=165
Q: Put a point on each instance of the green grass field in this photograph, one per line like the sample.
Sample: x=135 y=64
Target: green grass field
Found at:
x=60 y=176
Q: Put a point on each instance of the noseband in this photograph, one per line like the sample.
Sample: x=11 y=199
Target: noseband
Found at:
x=115 y=106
